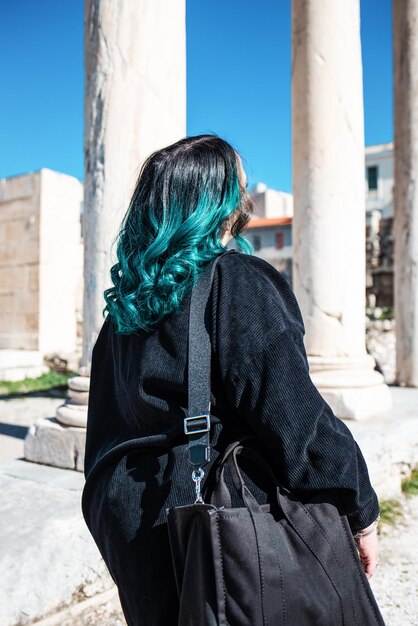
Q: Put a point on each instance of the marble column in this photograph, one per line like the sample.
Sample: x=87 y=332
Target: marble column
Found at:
x=405 y=61
x=329 y=268
x=135 y=103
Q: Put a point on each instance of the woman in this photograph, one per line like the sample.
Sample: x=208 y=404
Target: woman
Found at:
x=189 y=200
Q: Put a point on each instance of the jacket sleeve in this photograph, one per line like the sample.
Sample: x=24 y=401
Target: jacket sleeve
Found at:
x=271 y=388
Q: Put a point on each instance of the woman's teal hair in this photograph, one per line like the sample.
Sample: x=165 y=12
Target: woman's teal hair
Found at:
x=185 y=196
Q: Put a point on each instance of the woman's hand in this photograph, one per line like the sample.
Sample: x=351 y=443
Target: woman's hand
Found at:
x=368 y=548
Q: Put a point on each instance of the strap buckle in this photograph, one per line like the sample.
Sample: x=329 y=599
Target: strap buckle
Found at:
x=193 y=424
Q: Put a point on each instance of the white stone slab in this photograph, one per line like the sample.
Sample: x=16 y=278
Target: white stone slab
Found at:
x=20 y=358
x=20 y=364
x=20 y=373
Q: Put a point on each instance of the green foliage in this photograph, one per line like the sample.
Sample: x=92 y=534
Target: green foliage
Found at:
x=388 y=313
x=390 y=511
x=410 y=484
x=46 y=382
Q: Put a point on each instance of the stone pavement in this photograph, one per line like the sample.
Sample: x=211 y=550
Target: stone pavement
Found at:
x=390 y=442
x=395 y=582
x=48 y=559
x=16 y=416
x=102 y=610
x=52 y=573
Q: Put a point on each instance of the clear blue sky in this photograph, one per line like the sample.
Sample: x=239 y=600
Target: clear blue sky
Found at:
x=238 y=82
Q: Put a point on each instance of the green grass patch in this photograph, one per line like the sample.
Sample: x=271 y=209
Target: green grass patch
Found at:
x=47 y=382
x=390 y=511
x=410 y=484
x=388 y=313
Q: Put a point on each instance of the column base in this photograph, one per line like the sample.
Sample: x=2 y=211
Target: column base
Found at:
x=50 y=443
x=74 y=411
x=72 y=415
x=60 y=441
x=351 y=386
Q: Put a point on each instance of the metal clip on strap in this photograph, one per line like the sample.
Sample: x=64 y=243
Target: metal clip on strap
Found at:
x=197 y=428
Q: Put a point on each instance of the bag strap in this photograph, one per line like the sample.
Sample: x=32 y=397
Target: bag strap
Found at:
x=197 y=423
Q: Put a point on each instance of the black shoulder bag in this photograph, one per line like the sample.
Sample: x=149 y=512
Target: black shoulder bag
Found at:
x=276 y=564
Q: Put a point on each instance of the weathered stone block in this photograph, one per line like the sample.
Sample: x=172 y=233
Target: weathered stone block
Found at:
x=20 y=364
x=51 y=443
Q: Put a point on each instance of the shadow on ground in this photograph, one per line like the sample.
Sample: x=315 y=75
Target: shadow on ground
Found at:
x=53 y=392
x=13 y=430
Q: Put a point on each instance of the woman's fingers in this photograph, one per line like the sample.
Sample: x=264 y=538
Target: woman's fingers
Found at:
x=368 y=548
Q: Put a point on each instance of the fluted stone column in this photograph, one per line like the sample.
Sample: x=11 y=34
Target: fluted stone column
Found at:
x=329 y=268
x=135 y=103
x=405 y=46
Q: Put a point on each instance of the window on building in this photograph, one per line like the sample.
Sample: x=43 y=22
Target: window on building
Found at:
x=279 y=237
x=257 y=243
x=372 y=175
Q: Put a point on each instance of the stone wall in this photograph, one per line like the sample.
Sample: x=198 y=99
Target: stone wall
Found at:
x=19 y=261
x=40 y=261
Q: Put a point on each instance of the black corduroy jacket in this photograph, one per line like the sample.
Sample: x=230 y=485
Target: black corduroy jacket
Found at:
x=136 y=462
